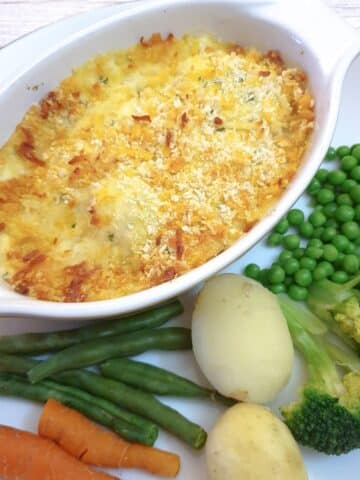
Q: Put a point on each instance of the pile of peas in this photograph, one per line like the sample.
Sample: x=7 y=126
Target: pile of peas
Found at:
x=327 y=243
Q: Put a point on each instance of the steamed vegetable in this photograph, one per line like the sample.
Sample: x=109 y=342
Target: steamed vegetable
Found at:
x=156 y=380
x=48 y=342
x=25 y=456
x=338 y=306
x=325 y=245
x=327 y=414
x=92 y=445
x=110 y=416
x=138 y=402
x=240 y=339
x=249 y=443
x=148 y=431
x=96 y=351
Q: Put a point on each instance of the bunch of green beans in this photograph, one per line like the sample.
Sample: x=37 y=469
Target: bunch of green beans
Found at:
x=96 y=408
x=94 y=352
x=123 y=402
x=36 y=343
x=326 y=244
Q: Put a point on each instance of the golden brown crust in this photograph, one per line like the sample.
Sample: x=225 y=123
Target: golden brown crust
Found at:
x=145 y=163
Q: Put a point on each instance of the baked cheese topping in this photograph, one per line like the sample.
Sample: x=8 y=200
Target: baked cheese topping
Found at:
x=145 y=163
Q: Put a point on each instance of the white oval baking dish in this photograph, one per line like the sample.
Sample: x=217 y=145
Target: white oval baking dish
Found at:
x=307 y=34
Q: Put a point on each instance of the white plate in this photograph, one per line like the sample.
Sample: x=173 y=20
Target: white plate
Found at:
x=24 y=414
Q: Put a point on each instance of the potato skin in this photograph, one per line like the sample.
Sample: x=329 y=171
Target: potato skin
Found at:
x=241 y=340
x=250 y=443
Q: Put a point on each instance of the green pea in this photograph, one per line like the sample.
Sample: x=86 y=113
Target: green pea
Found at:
x=344 y=199
x=288 y=281
x=314 y=252
x=317 y=219
x=325 y=196
x=319 y=273
x=348 y=162
x=351 y=230
x=331 y=223
x=327 y=266
x=276 y=275
x=306 y=229
x=357 y=212
x=339 y=260
x=274 y=239
x=347 y=185
x=351 y=248
x=252 y=271
x=303 y=277
x=315 y=242
x=277 y=288
x=342 y=151
x=263 y=276
x=340 y=277
x=282 y=226
x=284 y=256
x=328 y=186
x=329 y=209
x=297 y=293
x=355 y=151
x=299 y=252
x=340 y=242
x=295 y=216
x=322 y=175
x=344 y=213
x=355 y=194
x=355 y=145
x=318 y=231
x=328 y=234
x=336 y=177
x=330 y=154
x=351 y=264
x=291 y=241
x=330 y=253
x=355 y=173
x=314 y=186
x=308 y=263
x=291 y=266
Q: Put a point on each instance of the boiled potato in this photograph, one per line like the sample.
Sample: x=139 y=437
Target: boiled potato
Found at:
x=249 y=443
x=241 y=340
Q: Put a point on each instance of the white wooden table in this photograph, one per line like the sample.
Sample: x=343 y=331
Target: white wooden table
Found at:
x=18 y=17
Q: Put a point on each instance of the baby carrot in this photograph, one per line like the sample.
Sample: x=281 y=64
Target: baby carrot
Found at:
x=25 y=456
x=83 y=439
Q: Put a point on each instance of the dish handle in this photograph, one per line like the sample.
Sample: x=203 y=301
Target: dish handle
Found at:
x=321 y=29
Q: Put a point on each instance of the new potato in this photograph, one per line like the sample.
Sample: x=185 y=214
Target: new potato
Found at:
x=241 y=340
x=249 y=443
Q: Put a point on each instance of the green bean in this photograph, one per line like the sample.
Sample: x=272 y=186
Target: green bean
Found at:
x=156 y=380
x=96 y=351
x=14 y=385
x=16 y=364
x=139 y=402
x=20 y=365
x=35 y=343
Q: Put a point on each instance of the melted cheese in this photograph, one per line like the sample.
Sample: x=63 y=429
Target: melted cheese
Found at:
x=145 y=163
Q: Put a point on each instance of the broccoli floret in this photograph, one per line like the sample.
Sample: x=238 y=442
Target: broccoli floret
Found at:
x=327 y=414
x=338 y=306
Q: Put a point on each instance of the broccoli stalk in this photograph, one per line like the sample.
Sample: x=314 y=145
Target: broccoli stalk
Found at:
x=327 y=414
x=338 y=306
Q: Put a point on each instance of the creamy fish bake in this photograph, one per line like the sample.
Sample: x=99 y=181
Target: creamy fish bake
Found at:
x=145 y=163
